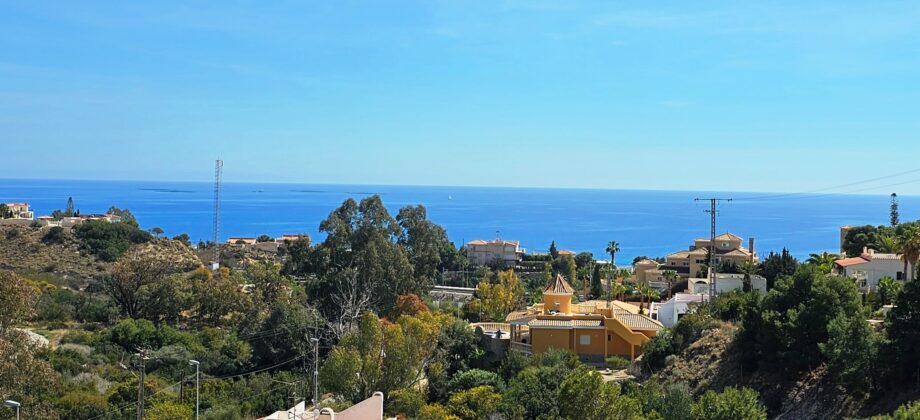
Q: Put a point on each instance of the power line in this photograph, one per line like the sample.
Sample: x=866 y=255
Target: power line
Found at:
x=220 y=378
x=806 y=194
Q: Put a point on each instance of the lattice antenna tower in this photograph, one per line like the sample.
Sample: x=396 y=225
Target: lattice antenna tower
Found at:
x=218 y=172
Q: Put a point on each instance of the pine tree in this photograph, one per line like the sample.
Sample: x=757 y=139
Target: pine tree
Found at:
x=68 y=212
x=895 y=217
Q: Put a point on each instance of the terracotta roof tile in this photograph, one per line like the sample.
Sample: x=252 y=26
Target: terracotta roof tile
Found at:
x=559 y=286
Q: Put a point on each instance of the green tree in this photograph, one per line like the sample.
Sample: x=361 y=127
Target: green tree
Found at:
x=495 y=301
x=749 y=269
x=903 y=344
x=612 y=248
x=26 y=378
x=851 y=351
x=184 y=239
x=5 y=212
x=55 y=236
x=887 y=243
x=17 y=296
x=730 y=404
x=823 y=261
x=584 y=259
x=472 y=378
x=858 y=238
x=894 y=218
x=169 y=410
x=909 y=248
x=405 y=402
x=137 y=284
x=108 y=241
x=888 y=290
x=596 y=285
x=156 y=231
x=264 y=238
x=217 y=297
x=584 y=395
x=792 y=319
x=378 y=357
x=69 y=210
x=475 y=403
x=553 y=252
x=778 y=265
x=671 y=277
x=126 y=216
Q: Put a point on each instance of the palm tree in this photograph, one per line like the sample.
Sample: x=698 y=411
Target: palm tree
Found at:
x=612 y=248
x=887 y=244
x=670 y=276
x=645 y=291
x=909 y=248
x=824 y=261
x=617 y=289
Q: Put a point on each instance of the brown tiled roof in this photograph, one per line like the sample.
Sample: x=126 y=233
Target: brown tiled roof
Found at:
x=728 y=236
x=846 y=262
x=636 y=321
x=559 y=286
x=679 y=254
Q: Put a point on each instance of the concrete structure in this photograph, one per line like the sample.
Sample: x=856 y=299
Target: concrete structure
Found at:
x=726 y=282
x=844 y=231
x=668 y=313
x=590 y=329
x=870 y=267
x=506 y=253
x=727 y=248
x=369 y=409
x=19 y=211
x=495 y=338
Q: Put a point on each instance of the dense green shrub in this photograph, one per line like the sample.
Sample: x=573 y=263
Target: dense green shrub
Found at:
x=472 y=378
x=406 y=402
x=108 y=241
x=731 y=404
x=786 y=328
x=617 y=363
x=55 y=235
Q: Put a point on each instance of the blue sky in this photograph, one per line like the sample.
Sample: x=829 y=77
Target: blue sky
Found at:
x=779 y=96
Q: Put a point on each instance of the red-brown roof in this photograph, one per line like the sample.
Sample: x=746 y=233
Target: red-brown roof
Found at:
x=559 y=286
x=847 y=262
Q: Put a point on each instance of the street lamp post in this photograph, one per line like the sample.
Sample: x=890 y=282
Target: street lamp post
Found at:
x=196 y=364
x=14 y=405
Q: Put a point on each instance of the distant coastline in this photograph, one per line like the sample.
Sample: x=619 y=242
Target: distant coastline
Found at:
x=645 y=222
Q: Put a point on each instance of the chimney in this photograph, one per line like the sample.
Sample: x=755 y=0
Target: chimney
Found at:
x=751 y=248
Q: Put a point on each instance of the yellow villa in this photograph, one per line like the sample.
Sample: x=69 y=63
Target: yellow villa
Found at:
x=590 y=329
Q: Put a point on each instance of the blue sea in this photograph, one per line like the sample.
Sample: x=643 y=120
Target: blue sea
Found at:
x=652 y=223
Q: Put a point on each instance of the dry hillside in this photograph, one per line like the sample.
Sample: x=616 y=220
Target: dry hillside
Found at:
x=712 y=362
x=22 y=250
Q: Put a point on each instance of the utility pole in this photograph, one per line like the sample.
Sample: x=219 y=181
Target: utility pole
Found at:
x=142 y=357
x=315 y=342
x=712 y=240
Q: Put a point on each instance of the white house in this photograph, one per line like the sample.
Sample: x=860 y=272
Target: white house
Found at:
x=870 y=267
x=726 y=283
x=667 y=313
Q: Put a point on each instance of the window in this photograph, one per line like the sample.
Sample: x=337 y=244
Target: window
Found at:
x=900 y=276
x=584 y=340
